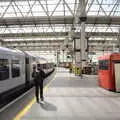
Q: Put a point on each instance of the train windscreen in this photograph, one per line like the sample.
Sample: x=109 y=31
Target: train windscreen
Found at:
x=103 y=64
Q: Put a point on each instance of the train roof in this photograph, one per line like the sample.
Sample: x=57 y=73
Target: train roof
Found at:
x=11 y=52
x=29 y=54
x=107 y=56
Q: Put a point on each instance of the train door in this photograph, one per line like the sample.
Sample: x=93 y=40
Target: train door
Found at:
x=32 y=61
x=117 y=76
x=113 y=62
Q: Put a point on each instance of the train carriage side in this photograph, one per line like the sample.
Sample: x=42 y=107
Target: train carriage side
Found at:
x=12 y=70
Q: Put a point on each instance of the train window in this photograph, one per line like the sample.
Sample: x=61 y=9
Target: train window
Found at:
x=116 y=61
x=4 y=69
x=103 y=64
x=15 y=68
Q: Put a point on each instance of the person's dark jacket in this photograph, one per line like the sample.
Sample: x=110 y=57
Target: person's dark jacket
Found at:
x=38 y=76
x=34 y=75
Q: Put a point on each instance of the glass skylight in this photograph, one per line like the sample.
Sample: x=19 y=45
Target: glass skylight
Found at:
x=53 y=8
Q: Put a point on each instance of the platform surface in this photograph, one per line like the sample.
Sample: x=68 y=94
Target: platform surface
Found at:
x=71 y=98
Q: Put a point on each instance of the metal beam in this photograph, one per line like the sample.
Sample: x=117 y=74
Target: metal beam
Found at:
x=34 y=41
x=35 y=48
x=35 y=34
x=41 y=46
x=102 y=45
x=96 y=48
x=58 y=20
x=102 y=42
x=51 y=34
x=91 y=48
x=93 y=43
x=58 y=42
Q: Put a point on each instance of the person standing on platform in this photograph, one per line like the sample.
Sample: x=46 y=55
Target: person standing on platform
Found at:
x=38 y=76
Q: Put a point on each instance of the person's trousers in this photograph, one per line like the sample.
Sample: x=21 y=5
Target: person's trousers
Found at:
x=39 y=90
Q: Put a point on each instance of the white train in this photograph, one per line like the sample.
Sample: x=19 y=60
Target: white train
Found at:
x=16 y=69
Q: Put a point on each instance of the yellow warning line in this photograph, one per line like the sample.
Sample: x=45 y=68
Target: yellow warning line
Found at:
x=24 y=111
x=21 y=113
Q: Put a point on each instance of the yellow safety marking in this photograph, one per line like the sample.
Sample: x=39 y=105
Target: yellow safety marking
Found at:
x=21 y=113
x=24 y=111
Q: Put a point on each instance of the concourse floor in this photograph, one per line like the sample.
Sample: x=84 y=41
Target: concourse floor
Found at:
x=69 y=97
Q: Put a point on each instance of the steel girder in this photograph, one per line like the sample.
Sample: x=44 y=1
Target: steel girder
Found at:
x=51 y=34
x=34 y=41
x=58 y=20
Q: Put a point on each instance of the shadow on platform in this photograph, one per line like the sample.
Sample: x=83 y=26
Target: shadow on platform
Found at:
x=48 y=106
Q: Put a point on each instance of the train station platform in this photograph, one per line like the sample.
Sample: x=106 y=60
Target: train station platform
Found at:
x=68 y=97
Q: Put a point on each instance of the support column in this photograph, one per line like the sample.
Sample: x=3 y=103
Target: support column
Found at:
x=83 y=45
x=77 y=51
x=116 y=47
x=76 y=58
x=63 y=55
x=83 y=40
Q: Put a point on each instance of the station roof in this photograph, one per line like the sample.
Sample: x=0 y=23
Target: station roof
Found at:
x=21 y=19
